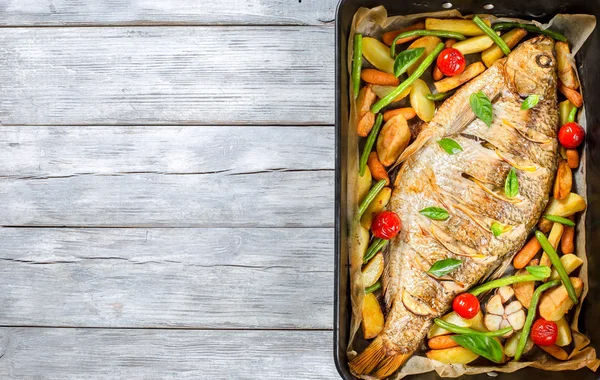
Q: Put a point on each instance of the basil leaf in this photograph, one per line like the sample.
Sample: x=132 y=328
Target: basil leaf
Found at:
x=497 y=229
x=450 y=146
x=482 y=107
x=485 y=346
x=530 y=102
x=540 y=272
x=443 y=267
x=435 y=213
x=511 y=186
x=406 y=59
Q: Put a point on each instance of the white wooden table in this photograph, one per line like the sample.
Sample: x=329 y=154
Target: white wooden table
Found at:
x=166 y=178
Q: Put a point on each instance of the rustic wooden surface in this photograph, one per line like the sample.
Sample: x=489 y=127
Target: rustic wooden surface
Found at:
x=167 y=174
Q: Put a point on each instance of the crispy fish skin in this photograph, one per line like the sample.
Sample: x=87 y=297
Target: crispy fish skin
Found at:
x=470 y=186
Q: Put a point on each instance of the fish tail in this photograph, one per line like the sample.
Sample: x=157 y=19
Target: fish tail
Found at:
x=374 y=357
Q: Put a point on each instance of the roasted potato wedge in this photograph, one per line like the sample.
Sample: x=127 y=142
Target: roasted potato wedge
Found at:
x=377 y=54
x=556 y=302
x=566 y=72
x=570 y=262
x=474 y=44
x=392 y=140
x=451 y=83
x=477 y=322
x=454 y=355
x=464 y=27
x=564 y=180
x=383 y=91
x=373 y=270
x=364 y=184
x=378 y=204
x=568 y=206
x=555 y=234
x=494 y=53
x=427 y=42
x=424 y=108
x=365 y=118
x=372 y=317
x=564 y=337
x=510 y=346
x=362 y=240
x=524 y=290
x=452 y=317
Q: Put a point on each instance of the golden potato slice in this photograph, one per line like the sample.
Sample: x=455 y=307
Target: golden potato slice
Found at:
x=427 y=42
x=464 y=27
x=383 y=91
x=568 y=206
x=494 y=53
x=570 y=262
x=454 y=355
x=424 y=107
x=377 y=54
x=378 y=204
x=474 y=45
x=372 y=317
x=556 y=302
x=364 y=184
x=373 y=270
x=564 y=332
x=451 y=317
x=362 y=240
x=477 y=322
x=392 y=140
x=510 y=347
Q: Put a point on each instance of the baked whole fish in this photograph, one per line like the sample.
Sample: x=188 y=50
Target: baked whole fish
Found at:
x=470 y=186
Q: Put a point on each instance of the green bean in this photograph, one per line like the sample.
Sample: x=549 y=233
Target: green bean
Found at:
x=364 y=157
x=530 y=315
x=377 y=245
x=409 y=81
x=370 y=196
x=564 y=277
x=436 y=33
x=572 y=115
x=560 y=219
x=372 y=288
x=440 y=95
x=356 y=64
x=502 y=282
x=530 y=28
x=465 y=330
x=492 y=34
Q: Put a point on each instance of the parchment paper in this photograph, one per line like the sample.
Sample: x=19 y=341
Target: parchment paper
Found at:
x=373 y=23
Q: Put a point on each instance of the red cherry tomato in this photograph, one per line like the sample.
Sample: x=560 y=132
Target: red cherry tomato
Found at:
x=451 y=62
x=571 y=135
x=386 y=225
x=466 y=305
x=544 y=333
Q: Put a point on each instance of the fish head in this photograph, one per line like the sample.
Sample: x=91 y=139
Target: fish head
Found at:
x=531 y=68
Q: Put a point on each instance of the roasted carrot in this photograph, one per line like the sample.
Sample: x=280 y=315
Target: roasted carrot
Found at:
x=556 y=351
x=567 y=242
x=407 y=112
x=573 y=96
x=378 y=77
x=388 y=37
x=377 y=169
x=527 y=253
x=572 y=158
x=441 y=342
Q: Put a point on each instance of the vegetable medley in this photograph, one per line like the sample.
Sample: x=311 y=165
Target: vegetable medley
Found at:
x=506 y=318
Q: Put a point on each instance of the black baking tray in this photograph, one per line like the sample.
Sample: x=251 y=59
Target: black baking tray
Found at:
x=588 y=60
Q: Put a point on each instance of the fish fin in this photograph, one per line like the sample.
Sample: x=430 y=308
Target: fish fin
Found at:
x=367 y=360
x=389 y=365
x=416 y=146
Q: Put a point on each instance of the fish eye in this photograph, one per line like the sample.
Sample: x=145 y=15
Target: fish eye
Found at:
x=543 y=60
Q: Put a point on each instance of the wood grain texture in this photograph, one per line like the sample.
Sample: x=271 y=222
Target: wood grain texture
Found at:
x=73 y=354
x=201 y=278
x=186 y=12
x=167 y=75
x=167 y=176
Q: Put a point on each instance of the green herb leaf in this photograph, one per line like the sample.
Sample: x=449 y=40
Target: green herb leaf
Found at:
x=485 y=346
x=443 y=267
x=497 y=229
x=406 y=59
x=560 y=219
x=450 y=146
x=511 y=186
x=530 y=102
x=541 y=272
x=482 y=107
x=435 y=213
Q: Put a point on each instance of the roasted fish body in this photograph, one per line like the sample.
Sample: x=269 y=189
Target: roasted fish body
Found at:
x=470 y=186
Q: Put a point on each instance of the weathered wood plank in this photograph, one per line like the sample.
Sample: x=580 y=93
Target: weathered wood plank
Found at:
x=60 y=151
x=119 y=12
x=202 y=278
x=167 y=176
x=167 y=75
x=73 y=354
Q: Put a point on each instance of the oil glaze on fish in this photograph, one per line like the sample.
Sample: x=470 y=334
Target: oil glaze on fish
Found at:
x=470 y=186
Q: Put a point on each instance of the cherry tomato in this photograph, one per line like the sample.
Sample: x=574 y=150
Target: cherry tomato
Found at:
x=386 y=225
x=451 y=62
x=571 y=135
x=466 y=305
x=544 y=333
